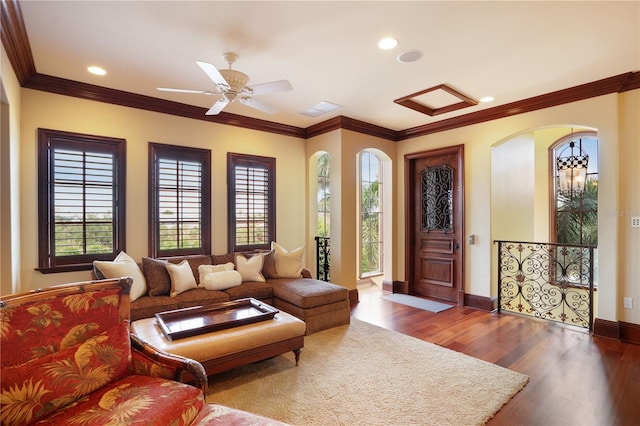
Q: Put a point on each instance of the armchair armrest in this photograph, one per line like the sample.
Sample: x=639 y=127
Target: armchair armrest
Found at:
x=306 y=273
x=151 y=361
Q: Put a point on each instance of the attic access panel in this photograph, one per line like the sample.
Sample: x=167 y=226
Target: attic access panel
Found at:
x=437 y=100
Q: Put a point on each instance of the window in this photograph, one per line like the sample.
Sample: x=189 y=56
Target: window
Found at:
x=575 y=218
x=324 y=195
x=371 y=232
x=179 y=200
x=252 y=207
x=81 y=200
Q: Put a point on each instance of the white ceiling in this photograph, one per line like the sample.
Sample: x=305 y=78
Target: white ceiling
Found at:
x=328 y=50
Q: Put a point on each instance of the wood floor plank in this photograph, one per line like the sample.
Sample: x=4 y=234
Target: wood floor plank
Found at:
x=575 y=379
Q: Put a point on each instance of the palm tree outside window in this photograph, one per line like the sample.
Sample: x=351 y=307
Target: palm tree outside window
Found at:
x=371 y=244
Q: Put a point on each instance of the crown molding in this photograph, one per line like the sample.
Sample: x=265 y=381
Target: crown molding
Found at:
x=618 y=83
x=16 y=43
x=92 y=92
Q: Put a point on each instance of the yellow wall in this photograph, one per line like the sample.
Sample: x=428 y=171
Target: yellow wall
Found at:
x=138 y=127
x=9 y=178
x=629 y=205
x=614 y=116
x=600 y=113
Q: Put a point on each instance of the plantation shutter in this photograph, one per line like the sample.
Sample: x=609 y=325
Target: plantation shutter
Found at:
x=180 y=201
x=252 y=205
x=251 y=199
x=83 y=202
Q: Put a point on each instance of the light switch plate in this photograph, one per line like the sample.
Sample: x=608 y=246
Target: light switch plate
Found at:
x=635 y=222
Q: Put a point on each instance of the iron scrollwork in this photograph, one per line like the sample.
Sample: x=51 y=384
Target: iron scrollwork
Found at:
x=437 y=198
x=548 y=281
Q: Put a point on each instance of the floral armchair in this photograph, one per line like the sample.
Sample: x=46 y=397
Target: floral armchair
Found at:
x=67 y=357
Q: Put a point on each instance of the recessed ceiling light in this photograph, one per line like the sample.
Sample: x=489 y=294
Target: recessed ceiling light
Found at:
x=409 y=56
x=387 y=43
x=487 y=99
x=96 y=70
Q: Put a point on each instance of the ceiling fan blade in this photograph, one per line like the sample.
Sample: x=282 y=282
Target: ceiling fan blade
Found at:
x=199 y=92
x=213 y=73
x=259 y=105
x=217 y=107
x=274 y=86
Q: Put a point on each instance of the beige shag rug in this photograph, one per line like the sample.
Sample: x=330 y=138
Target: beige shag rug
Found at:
x=362 y=374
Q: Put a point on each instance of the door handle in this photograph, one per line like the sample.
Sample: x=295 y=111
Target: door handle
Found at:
x=457 y=246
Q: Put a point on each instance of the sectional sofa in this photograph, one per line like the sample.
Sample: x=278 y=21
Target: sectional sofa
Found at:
x=187 y=281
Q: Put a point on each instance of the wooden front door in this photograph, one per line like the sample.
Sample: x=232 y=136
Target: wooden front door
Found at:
x=435 y=229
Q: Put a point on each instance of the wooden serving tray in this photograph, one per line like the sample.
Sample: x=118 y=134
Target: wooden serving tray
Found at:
x=203 y=319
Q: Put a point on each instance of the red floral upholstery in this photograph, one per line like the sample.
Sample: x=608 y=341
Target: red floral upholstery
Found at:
x=41 y=386
x=134 y=400
x=67 y=357
x=33 y=330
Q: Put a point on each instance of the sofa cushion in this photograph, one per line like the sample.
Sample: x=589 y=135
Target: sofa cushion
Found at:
x=257 y=290
x=158 y=279
x=200 y=296
x=308 y=293
x=146 y=307
x=123 y=266
x=288 y=263
x=136 y=400
x=250 y=268
x=182 y=278
x=38 y=387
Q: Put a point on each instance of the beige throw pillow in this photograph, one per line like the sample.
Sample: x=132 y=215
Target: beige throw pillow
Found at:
x=124 y=266
x=288 y=263
x=221 y=280
x=250 y=269
x=182 y=278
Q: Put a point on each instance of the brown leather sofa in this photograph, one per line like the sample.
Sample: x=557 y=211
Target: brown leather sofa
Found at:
x=319 y=304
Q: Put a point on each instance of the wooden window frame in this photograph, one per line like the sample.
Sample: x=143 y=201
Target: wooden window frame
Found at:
x=553 y=196
x=179 y=153
x=244 y=160
x=380 y=214
x=48 y=142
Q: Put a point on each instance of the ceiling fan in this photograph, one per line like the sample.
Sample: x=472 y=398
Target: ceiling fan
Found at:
x=232 y=85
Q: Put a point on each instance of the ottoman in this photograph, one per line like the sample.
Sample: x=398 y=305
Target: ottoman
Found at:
x=232 y=347
x=321 y=305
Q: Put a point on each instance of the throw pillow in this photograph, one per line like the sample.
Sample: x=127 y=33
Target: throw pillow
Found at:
x=221 y=280
x=269 y=266
x=124 y=266
x=250 y=269
x=182 y=278
x=158 y=279
x=288 y=263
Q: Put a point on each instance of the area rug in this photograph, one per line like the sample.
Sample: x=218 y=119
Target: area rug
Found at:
x=418 y=302
x=361 y=374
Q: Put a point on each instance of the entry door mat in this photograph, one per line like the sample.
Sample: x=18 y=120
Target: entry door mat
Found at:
x=418 y=302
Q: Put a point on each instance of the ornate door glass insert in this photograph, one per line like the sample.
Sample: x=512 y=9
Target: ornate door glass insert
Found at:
x=437 y=198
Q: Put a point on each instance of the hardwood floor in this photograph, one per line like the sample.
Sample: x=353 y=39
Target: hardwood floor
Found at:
x=574 y=378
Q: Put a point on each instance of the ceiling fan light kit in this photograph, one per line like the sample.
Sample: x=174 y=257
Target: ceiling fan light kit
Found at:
x=232 y=85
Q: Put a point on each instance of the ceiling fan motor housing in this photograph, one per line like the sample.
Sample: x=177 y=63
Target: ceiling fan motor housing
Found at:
x=237 y=80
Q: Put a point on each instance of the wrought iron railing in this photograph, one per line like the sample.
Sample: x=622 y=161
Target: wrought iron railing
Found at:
x=546 y=280
x=323 y=258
